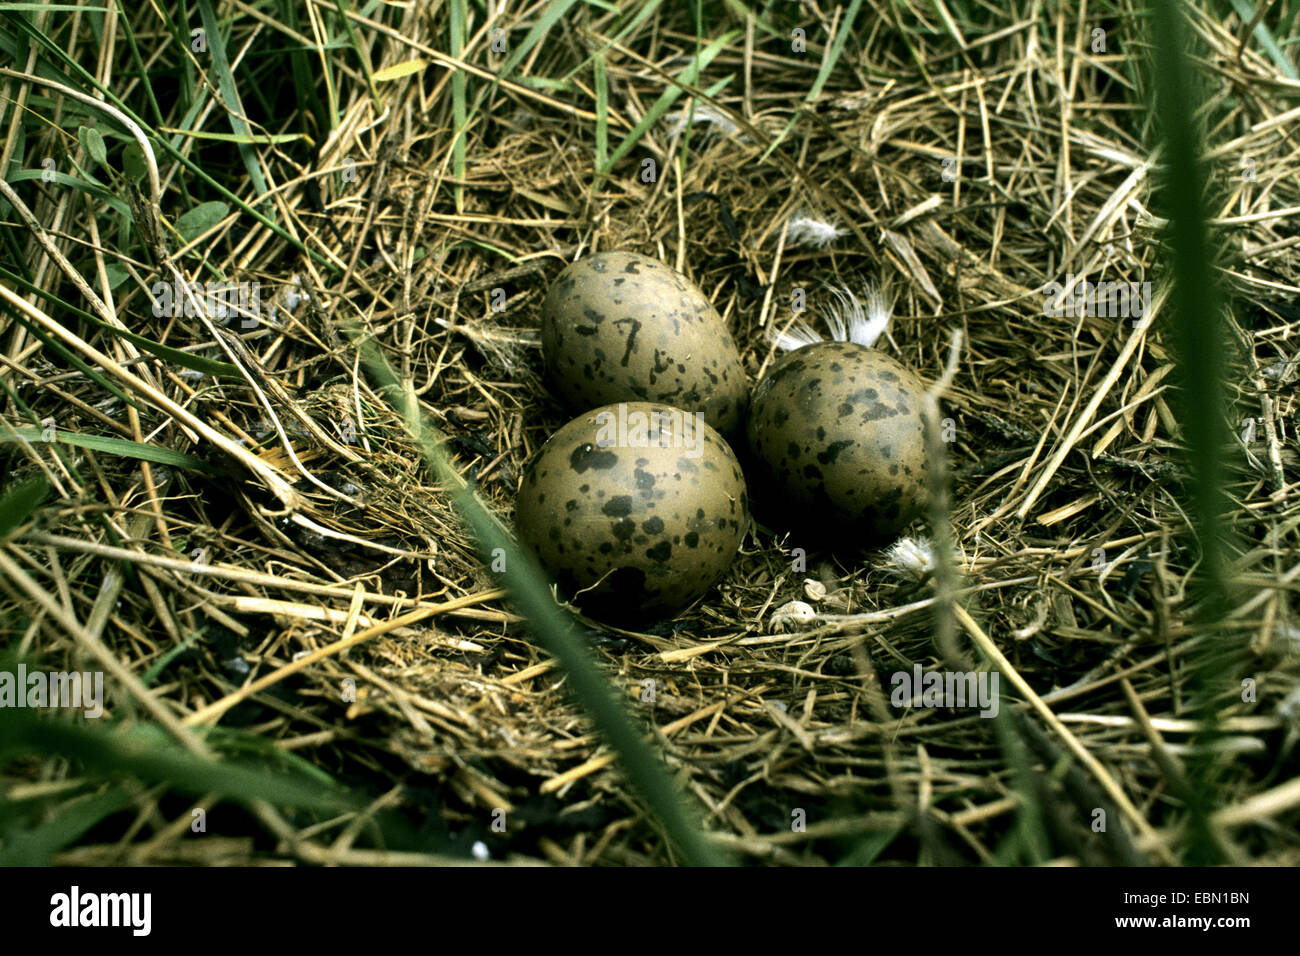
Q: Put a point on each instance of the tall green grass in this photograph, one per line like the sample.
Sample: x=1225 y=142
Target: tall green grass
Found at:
x=1197 y=306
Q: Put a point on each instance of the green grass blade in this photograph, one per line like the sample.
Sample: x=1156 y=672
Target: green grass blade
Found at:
x=94 y=189
x=228 y=94
x=360 y=55
x=1200 y=343
x=176 y=356
x=160 y=665
x=117 y=446
x=21 y=501
x=145 y=752
x=549 y=18
x=35 y=846
x=252 y=139
x=646 y=9
x=867 y=849
x=836 y=50
x=823 y=74
x=688 y=77
x=602 y=107
x=1266 y=40
x=49 y=8
x=458 y=112
x=79 y=78
x=146 y=79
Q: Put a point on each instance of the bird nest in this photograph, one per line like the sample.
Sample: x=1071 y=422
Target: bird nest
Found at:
x=261 y=593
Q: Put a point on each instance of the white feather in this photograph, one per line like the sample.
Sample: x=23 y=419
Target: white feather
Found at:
x=912 y=556
x=861 y=321
x=804 y=230
x=848 y=319
x=703 y=114
x=796 y=337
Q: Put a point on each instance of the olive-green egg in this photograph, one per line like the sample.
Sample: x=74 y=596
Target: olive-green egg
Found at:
x=622 y=327
x=837 y=433
x=634 y=509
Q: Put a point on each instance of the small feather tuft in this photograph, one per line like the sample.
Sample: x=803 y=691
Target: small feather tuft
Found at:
x=804 y=230
x=858 y=320
x=704 y=113
x=799 y=334
x=912 y=557
x=848 y=318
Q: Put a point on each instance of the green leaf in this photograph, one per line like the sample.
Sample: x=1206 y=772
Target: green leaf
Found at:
x=1246 y=11
x=833 y=55
x=160 y=665
x=133 y=164
x=602 y=107
x=200 y=219
x=116 y=274
x=20 y=502
x=93 y=143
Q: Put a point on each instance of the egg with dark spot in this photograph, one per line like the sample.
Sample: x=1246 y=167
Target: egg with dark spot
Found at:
x=837 y=434
x=622 y=327
x=635 y=510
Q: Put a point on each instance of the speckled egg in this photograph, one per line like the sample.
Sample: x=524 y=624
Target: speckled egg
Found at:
x=622 y=327
x=635 y=510
x=836 y=432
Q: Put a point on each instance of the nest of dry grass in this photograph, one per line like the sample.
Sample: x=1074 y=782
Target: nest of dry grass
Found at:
x=1073 y=549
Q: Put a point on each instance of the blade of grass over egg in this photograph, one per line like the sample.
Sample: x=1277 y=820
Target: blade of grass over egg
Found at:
x=1197 y=306
x=554 y=632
